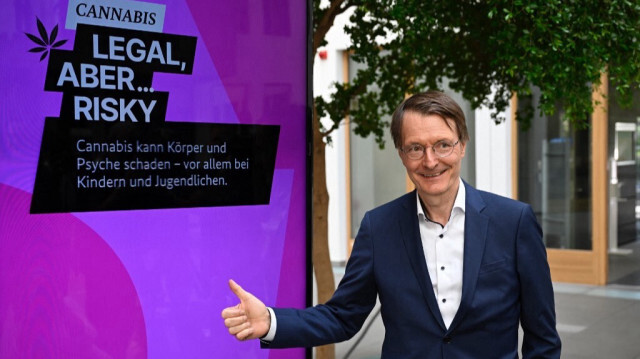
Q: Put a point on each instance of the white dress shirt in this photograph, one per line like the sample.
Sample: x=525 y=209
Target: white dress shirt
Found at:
x=272 y=328
x=444 y=252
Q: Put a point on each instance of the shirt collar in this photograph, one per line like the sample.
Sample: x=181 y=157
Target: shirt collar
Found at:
x=458 y=203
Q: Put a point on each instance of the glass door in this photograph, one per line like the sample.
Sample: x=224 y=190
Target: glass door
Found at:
x=622 y=192
x=561 y=173
x=624 y=216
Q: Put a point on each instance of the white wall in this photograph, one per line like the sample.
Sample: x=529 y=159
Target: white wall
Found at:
x=493 y=153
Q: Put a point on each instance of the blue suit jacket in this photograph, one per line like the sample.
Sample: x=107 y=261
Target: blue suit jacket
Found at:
x=506 y=281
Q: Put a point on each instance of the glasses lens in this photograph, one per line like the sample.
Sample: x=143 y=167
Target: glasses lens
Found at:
x=443 y=148
x=415 y=152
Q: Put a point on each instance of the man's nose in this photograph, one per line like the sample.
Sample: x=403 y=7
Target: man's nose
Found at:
x=430 y=160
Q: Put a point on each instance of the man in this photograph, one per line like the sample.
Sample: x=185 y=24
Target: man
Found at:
x=456 y=269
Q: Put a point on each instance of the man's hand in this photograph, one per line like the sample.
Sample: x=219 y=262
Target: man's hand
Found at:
x=249 y=319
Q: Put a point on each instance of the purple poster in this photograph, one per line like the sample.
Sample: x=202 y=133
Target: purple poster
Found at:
x=149 y=152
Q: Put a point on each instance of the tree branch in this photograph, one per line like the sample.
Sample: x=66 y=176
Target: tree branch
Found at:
x=362 y=86
x=357 y=91
x=327 y=20
x=333 y=128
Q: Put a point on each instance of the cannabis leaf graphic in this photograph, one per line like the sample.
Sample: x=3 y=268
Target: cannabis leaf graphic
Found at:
x=45 y=41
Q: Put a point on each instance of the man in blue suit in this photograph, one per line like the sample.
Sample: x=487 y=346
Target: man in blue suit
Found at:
x=457 y=270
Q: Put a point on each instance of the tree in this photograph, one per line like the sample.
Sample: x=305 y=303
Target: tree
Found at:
x=488 y=50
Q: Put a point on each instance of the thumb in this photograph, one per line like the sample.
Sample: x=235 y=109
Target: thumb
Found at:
x=238 y=291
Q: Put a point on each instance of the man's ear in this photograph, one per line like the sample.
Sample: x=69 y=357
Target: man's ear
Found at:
x=463 y=147
x=402 y=158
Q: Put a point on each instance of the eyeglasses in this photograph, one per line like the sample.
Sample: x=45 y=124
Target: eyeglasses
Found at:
x=417 y=151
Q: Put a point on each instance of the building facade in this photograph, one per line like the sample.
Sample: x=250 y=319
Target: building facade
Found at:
x=581 y=183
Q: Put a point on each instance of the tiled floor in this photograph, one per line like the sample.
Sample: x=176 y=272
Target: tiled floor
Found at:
x=593 y=322
x=598 y=322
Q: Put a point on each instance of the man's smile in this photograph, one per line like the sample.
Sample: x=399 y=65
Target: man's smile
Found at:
x=432 y=175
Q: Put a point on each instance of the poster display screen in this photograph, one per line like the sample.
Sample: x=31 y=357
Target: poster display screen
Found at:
x=149 y=152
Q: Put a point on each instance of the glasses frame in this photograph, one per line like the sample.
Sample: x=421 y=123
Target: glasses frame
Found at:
x=424 y=150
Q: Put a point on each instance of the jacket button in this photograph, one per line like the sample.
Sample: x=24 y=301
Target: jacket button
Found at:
x=447 y=340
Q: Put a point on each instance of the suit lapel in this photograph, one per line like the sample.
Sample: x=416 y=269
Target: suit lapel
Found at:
x=475 y=237
x=411 y=236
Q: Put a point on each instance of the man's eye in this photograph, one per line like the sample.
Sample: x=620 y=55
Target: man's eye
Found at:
x=415 y=148
x=443 y=145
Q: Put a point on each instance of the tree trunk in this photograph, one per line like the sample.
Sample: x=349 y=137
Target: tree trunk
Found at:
x=320 y=255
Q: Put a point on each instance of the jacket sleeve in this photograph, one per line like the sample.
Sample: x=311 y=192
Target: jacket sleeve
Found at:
x=344 y=314
x=537 y=316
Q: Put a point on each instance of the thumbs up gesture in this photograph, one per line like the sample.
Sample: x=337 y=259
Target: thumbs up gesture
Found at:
x=249 y=319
